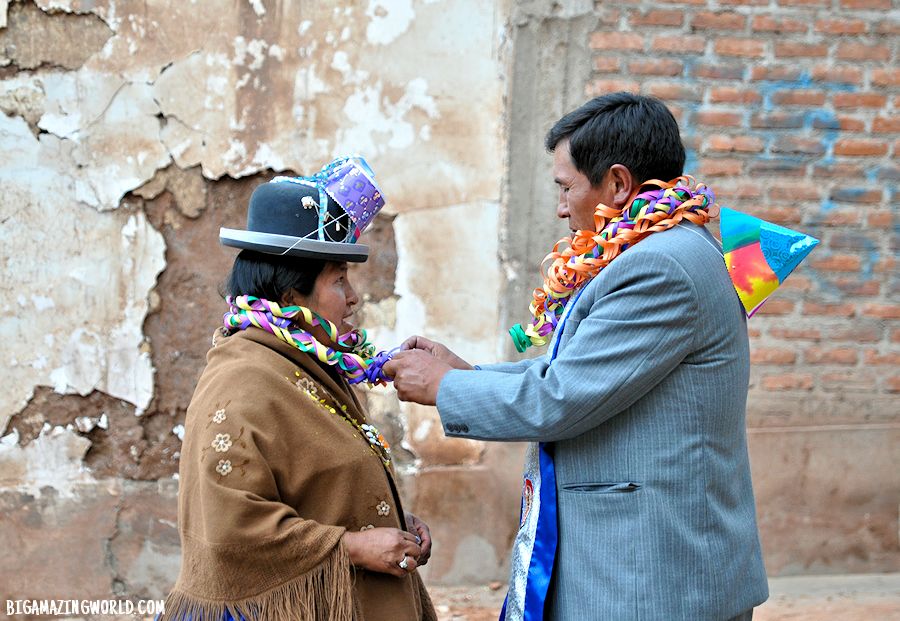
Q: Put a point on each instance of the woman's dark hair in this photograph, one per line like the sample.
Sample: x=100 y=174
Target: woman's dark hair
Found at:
x=636 y=131
x=270 y=276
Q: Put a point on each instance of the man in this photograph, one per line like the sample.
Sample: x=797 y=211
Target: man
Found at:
x=637 y=502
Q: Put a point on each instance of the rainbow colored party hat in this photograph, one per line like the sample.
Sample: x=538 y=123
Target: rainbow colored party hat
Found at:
x=760 y=255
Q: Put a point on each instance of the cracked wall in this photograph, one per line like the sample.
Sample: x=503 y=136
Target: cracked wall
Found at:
x=131 y=132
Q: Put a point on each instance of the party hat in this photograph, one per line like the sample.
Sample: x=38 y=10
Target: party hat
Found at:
x=760 y=255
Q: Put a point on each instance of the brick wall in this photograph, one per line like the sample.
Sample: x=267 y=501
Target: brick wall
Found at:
x=789 y=110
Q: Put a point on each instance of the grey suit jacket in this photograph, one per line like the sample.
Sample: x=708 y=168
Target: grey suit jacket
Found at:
x=644 y=405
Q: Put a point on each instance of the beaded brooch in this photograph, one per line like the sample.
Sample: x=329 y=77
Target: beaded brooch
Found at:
x=370 y=433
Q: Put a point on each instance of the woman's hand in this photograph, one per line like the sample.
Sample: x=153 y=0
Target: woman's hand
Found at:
x=439 y=351
x=420 y=529
x=383 y=550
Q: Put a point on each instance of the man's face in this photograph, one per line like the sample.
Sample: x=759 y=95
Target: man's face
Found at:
x=577 y=197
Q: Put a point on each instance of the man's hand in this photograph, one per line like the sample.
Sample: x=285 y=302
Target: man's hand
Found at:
x=439 y=351
x=417 y=375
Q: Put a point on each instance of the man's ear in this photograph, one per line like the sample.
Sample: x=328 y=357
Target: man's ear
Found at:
x=622 y=185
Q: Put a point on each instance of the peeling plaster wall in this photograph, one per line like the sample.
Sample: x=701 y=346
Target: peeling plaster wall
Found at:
x=131 y=131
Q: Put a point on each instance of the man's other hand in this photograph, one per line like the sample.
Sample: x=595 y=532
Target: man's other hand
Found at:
x=439 y=351
x=417 y=375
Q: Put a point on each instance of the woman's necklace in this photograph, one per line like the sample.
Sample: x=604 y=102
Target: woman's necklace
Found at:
x=358 y=364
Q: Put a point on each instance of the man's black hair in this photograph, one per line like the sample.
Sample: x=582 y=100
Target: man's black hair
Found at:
x=270 y=276
x=636 y=131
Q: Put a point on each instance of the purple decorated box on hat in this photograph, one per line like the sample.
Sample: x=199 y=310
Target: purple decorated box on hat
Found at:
x=352 y=186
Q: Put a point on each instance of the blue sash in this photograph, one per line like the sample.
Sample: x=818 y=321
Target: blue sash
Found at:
x=538 y=531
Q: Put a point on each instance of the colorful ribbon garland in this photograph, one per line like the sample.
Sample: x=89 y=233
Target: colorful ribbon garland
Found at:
x=588 y=252
x=358 y=364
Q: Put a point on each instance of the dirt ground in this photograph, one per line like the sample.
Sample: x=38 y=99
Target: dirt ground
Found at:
x=870 y=597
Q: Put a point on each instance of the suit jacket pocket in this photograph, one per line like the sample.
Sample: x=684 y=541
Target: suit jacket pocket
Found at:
x=624 y=487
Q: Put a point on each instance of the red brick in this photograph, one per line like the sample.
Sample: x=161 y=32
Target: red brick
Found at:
x=822 y=3
x=798 y=191
x=841 y=217
x=794 y=144
x=866 y=4
x=707 y=20
x=772 y=355
x=657 y=18
x=892 y=384
x=777 y=120
x=853 y=287
x=730 y=94
x=767 y=23
x=801 y=50
x=780 y=166
x=886 y=26
x=848 y=74
x=886 y=265
x=841 y=26
x=855 y=334
x=861 y=51
x=775 y=72
x=787 y=381
x=837 y=263
x=797 y=283
x=798 y=98
x=743 y=2
x=601 y=87
x=744 y=48
x=796 y=334
x=745 y=144
x=776 y=307
x=845 y=123
x=739 y=190
x=860 y=146
x=838 y=170
x=873 y=356
x=848 y=381
x=662 y=66
x=616 y=41
x=718 y=119
x=842 y=309
x=895 y=335
x=719 y=72
x=677 y=91
x=840 y=355
x=882 y=311
x=859 y=100
x=779 y=214
x=682 y=2
x=606 y=64
x=721 y=167
x=676 y=44
x=887 y=125
x=879 y=219
x=886 y=76
x=842 y=194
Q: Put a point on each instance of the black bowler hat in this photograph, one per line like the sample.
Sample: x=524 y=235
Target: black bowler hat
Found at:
x=318 y=217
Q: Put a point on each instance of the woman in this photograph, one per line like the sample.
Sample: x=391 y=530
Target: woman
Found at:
x=288 y=505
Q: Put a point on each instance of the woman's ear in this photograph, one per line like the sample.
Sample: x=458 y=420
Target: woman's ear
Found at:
x=290 y=298
x=623 y=184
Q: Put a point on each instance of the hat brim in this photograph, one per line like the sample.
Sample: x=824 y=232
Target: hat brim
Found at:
x=286 y=245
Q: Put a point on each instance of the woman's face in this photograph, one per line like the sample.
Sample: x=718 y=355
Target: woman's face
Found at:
x=332 y=297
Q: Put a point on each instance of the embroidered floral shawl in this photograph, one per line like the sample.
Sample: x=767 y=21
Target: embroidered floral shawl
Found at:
x=271 y=476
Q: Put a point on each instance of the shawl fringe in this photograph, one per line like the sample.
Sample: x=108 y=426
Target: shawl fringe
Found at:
x=325 y=593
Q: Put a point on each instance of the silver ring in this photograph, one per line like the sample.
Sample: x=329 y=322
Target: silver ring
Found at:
x=404 y=564
x=418 y=540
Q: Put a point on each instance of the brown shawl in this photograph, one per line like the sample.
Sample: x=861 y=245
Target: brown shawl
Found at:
x=271 y=476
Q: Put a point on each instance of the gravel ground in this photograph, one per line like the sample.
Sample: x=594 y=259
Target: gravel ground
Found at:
x=869 y=597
